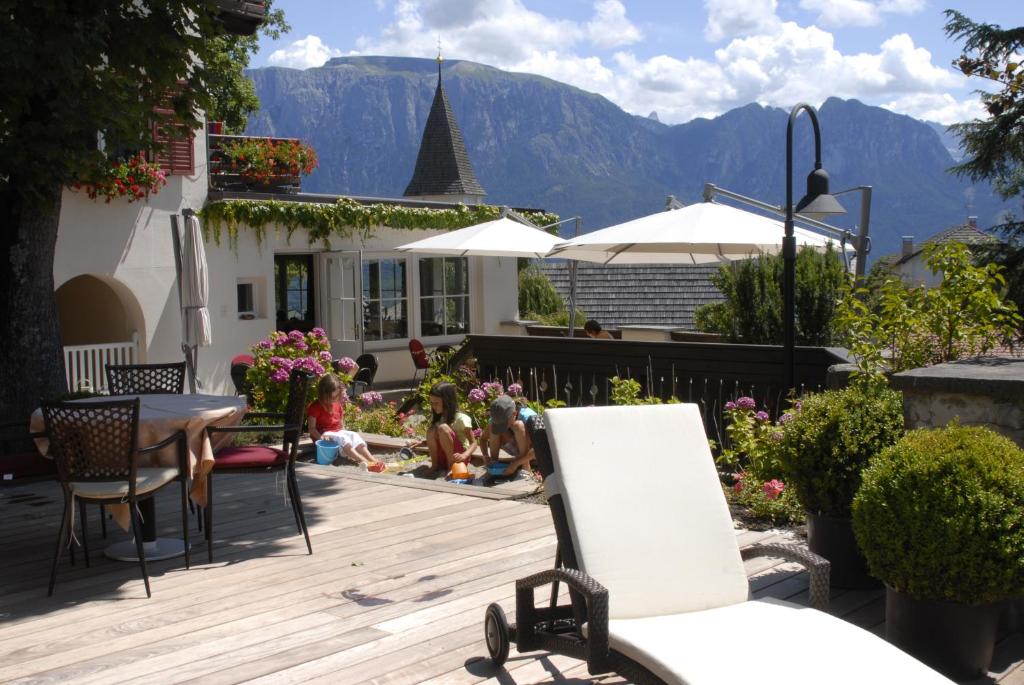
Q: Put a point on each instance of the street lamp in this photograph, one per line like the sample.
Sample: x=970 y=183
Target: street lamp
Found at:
x=815 y=204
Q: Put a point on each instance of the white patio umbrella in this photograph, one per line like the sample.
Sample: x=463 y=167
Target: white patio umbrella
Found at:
x=700 y=233
x=502 y=237
x=195 y=317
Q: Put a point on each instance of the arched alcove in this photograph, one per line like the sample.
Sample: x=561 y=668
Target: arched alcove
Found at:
x=98 y=309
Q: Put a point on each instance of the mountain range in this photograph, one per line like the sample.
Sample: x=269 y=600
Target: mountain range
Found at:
x=535 y=142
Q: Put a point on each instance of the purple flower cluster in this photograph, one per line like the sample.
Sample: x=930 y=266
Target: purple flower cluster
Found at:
x=319 y=333
x=309 y=364
x=371 y=398
x=297 y=336
x=477 y=395
x=493 y=389
x=786 y=418
x=762 y=416
x=515 y=390
x=746 y=403
x=347 y=364
x=325 y=357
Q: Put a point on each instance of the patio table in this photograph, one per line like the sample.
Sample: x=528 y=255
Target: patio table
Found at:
x=159 y=417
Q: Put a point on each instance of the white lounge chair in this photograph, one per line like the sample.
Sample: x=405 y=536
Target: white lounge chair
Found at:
x=659 y=593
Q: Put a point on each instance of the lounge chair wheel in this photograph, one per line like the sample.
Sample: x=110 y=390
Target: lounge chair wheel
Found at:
x=496 y=634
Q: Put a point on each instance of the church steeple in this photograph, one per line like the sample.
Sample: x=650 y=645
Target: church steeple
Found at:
x=443 y=171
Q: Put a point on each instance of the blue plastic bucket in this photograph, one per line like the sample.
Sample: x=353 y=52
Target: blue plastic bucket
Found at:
x=326 y=451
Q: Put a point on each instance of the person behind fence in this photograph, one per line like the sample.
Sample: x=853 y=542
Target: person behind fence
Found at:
x=506 y=430
x=450 y=435
x=327 y=422
x=593 y=330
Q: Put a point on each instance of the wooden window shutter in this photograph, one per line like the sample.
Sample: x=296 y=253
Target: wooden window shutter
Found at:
x=178 y=154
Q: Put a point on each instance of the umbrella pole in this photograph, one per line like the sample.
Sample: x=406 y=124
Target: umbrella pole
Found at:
x=572 y=283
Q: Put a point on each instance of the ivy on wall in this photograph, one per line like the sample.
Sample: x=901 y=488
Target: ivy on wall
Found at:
x=345 y=219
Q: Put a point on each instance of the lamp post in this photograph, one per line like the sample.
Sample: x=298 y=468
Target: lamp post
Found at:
x=816 y=203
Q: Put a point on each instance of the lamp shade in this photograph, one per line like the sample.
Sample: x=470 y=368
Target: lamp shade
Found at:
x=818 y=203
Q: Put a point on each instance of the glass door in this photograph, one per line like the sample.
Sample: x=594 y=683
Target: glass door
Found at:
x=342 y=302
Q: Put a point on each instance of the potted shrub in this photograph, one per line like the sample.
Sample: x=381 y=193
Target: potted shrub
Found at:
x=133 y=178
x=264 y=162
x=940 y=519
x=825 y=444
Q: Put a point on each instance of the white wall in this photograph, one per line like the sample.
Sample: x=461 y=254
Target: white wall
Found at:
x=129 y=243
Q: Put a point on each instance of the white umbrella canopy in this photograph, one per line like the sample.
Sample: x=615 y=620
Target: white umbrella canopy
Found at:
x=195 y=317
x=700 y=233
x=502 y=237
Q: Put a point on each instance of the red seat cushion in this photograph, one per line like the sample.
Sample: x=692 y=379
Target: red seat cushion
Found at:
x=250 y=456
x=25 y=465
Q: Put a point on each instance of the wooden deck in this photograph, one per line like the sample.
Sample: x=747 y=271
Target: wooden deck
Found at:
x=394 y=593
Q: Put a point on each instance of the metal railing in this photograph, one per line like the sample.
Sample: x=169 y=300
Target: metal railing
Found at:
x=223 y=178
x=85 y=365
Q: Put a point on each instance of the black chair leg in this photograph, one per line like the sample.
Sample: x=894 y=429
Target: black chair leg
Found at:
x=185 y=509
x=291 y=501
x=298 y=502
x=139 y=548
x=61 y=541
x=85 y=532
x=208 y=510
x=103 y=521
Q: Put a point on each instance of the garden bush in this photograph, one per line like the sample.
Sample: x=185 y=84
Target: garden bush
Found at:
x=827 y=439
x=940 y=515
x=275 y=357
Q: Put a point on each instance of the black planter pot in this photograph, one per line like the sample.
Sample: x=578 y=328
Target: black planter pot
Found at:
x=833 y=539
x=956 y=639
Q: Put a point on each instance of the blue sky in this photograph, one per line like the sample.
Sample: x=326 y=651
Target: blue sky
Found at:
x=680 y=58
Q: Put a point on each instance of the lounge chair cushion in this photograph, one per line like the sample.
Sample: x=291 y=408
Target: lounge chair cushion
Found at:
x=249 y=457
x=659 y=537
x=147 y=479
x=778 y=642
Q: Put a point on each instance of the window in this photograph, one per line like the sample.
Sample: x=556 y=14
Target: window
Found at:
x=444 y=296
x=246 y=300
x=385 y=301
x=293 y=292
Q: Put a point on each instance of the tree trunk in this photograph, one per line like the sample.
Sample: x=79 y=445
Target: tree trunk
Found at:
x=34 y=366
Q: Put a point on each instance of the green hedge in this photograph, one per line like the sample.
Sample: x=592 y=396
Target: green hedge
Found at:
x=828 y=441
x=940 y=515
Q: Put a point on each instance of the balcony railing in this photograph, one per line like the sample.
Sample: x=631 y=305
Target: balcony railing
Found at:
x=241 y=17
x=223 y=178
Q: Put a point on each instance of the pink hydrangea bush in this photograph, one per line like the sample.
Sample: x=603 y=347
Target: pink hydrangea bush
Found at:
x=275 y=356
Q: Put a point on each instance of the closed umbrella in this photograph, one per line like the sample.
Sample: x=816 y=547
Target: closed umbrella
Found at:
x=195 y=317
x=502 y=237
x=700 y=233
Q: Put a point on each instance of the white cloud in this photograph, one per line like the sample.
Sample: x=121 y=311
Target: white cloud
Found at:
x=858 y=12
x=732 y=18
x=610 y=28
x=942 y=107
x=760 y=59
x=303 y=53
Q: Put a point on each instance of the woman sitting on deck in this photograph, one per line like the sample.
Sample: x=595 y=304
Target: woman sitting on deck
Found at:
x=450 y=436
x=507 y=431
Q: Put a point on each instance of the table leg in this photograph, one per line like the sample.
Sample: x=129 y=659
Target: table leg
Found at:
x=154 y=547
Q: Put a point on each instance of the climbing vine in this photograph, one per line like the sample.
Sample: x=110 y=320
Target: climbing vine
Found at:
x=345 y=219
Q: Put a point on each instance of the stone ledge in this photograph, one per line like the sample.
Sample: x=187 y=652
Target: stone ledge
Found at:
x=996 y=377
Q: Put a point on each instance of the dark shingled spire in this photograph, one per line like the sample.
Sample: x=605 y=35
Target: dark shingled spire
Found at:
x=442 y=166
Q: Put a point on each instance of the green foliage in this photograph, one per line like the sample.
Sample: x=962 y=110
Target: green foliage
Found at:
x=939 y=515
x=752 y=310
x=763 y=500
x=232 y=94
x=537 y=296
x=902 y=327
x=828 y=439
x=345 y=219
x=379 y=418
x=626 y=391
x=73 y=70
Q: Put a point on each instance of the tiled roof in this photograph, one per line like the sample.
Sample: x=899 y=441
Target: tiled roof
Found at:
x=631 y=295
x=442 y=166
x=962 y=233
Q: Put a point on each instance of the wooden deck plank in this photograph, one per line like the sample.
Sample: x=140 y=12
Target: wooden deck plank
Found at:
x=394 y=593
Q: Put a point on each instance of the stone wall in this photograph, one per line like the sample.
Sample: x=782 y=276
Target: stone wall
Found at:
x=988 y=391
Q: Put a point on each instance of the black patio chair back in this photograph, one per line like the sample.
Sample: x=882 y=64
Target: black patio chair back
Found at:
x=146 y=379
x=367 y=370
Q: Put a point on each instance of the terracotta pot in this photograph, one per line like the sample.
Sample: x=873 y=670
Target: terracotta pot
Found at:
x=833 y=539
x=956 y=639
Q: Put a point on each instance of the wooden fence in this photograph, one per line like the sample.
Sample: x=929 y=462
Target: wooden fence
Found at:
x=578 y=371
